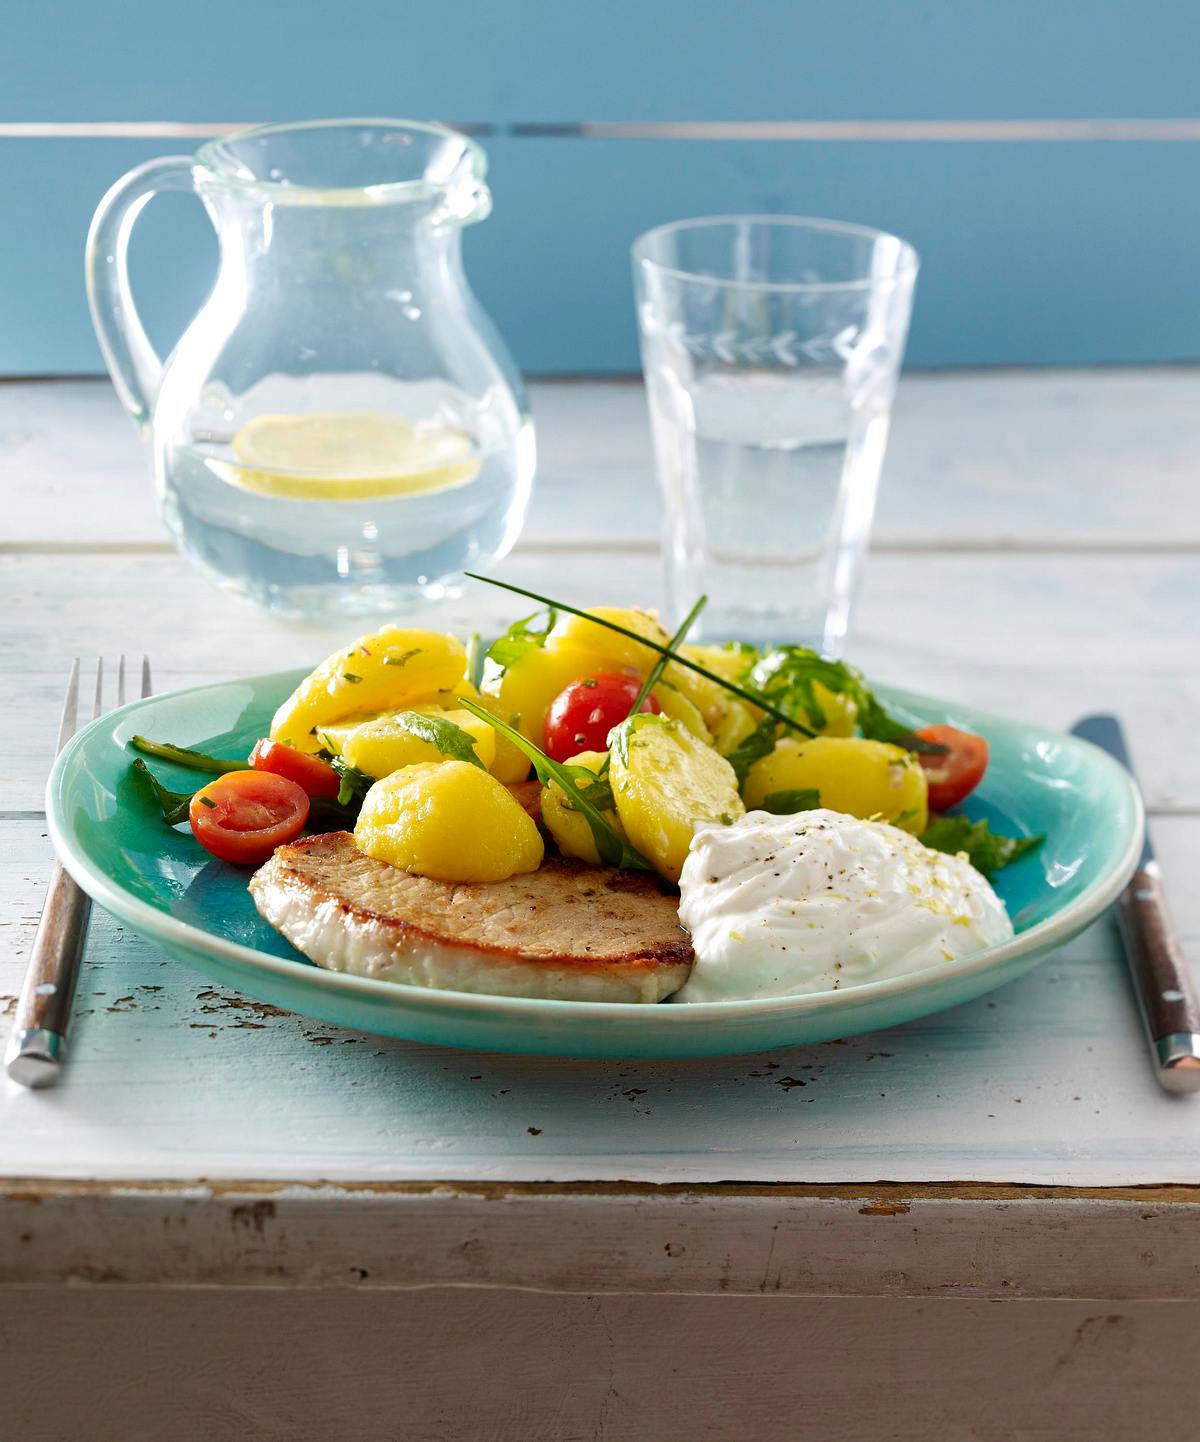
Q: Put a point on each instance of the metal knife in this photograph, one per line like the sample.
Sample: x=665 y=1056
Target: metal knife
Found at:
x=1162 y=981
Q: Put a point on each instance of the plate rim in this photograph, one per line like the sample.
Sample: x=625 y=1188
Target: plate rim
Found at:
x=172 y=931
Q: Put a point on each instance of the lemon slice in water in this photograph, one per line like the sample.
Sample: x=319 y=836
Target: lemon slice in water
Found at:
x=348 y=456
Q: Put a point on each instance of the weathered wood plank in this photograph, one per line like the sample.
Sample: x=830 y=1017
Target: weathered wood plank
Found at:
x=135 y=1365
x=992 y=459
x=770 y=1241
x=973 y=613
x=1045 y=1081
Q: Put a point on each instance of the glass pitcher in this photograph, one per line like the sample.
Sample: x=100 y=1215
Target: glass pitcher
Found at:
x=340 y=428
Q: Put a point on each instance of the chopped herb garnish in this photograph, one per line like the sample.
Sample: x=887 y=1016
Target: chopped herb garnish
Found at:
x=986 y=849
x=589 y=681
x=786 y=803
x=209 y=802
x=351 y=677
x=611 y=847
x=401 y=660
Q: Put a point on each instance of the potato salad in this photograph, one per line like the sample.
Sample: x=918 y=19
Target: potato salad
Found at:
x=597 y=737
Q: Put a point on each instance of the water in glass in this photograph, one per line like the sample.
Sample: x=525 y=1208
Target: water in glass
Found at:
x=769 y=405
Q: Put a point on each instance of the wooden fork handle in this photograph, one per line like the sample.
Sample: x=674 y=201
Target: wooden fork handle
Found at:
x=36 y=1044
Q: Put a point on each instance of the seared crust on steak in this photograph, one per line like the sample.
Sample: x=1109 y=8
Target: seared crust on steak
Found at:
x=566 y=931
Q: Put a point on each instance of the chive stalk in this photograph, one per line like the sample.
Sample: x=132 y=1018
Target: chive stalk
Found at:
x=667 y=652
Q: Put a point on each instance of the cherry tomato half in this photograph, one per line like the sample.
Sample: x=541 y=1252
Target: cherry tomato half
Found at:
x=958 y=771
x=583 y=713
x=317 y=777
x=244 y=815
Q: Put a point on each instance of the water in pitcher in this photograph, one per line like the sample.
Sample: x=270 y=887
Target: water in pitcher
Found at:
x=328 y=511
x=768 y=483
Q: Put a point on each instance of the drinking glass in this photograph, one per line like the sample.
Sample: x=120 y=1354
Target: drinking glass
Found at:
x=771 y=347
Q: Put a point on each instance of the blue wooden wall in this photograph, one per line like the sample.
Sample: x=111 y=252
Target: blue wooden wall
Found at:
x=1042 y=240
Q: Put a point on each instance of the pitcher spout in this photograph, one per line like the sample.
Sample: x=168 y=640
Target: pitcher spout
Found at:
x=352 y=164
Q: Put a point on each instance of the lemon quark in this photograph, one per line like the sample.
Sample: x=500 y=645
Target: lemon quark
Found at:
x=819 y=900
x=347 y=456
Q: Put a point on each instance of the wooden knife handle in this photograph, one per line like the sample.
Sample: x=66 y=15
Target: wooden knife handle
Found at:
x=1164 y=985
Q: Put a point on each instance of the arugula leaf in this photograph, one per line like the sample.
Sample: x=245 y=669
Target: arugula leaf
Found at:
x=786 y=803
x=875 y=723
x=595 y=786
x=528 y=634
x=174 y=804
x=759 y=743
x=354 y=784
x=182 y=756
x=788 y=676
x=611 y=847
x=986 y=850
x=444 y=735
x=338 y=814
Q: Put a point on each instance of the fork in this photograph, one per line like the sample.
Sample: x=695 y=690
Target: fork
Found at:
x=38 y=1042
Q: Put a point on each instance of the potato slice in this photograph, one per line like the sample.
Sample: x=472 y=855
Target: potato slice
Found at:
x=509 y=764
x=738 y=722
x=841 y=712
x=568 y=826
x=451 y=821
x=380 y=672
x=870 y=779
x=676 y=705
x=609 y=650
x=732 y=661
x=380 y=746
x=665 y=781
x=710 y=699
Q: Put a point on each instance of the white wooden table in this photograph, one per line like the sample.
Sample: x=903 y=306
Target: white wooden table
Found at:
x=228 y=1222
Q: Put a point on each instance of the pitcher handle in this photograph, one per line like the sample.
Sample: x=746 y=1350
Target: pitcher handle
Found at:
x=132 y=362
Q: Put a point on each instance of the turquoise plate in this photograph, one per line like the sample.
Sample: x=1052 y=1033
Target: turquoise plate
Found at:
x=162 y=884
